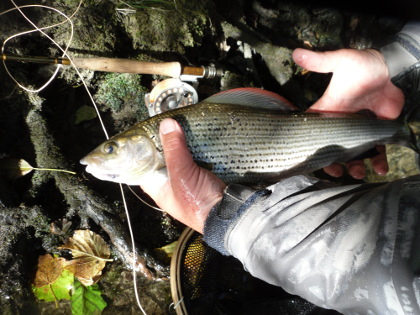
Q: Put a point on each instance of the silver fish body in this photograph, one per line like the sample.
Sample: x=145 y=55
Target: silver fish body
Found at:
x=243 y=144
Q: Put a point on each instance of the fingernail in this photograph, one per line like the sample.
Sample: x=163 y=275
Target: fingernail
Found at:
x=303 y=57
x=167 y=126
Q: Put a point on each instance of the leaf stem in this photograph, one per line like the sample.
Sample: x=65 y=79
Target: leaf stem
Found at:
x=53 y=169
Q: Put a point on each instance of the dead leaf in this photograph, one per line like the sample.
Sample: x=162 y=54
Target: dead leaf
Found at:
x=307 y=43
x=90 y=254
x=60 y=227
x=14 y=168
x=49 y=269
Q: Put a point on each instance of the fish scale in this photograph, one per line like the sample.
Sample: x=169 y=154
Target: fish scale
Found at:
x=248 y=145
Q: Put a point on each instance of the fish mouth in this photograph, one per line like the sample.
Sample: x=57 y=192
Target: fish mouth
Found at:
x=93 y=167
x=100 y=174
x=91 y=160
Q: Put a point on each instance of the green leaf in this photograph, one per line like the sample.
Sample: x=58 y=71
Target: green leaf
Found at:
x=86 y=300
x=58 y=290
x=85 y=113
x=168 y=249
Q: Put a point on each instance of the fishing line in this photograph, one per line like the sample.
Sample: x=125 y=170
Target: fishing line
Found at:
x=133 y=249
x=37 y=29
x=64 y=51
x=144 y=201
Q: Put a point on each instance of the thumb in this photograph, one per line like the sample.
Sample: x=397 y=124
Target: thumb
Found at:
x=322 y=62
x=177 y=155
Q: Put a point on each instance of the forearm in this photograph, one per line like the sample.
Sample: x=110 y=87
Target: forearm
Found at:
x=330 y=246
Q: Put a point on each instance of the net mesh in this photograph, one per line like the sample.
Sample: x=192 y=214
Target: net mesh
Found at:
x=210 y=283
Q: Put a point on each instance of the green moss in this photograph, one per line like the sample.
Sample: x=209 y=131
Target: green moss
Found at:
x=328 y=30
x=168 y=30
x=118 y=89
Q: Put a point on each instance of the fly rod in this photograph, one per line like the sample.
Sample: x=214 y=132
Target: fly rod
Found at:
x=170 y=69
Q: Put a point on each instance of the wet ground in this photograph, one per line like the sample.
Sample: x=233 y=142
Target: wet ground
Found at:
x=251 y=40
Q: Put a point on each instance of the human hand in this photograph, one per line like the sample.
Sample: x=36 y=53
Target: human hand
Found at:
x=190 y=191
x=360 y=81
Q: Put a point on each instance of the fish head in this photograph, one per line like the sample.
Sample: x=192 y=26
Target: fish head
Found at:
x=125 y=158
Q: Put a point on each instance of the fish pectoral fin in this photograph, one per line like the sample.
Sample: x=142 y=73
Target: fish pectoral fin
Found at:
x=205 y=165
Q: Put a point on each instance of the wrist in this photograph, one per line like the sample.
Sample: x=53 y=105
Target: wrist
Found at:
x=223 y=216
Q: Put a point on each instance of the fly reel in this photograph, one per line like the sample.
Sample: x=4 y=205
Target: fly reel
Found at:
x=170 y=94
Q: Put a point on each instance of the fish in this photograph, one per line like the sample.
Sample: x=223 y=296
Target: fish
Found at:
x=252 y=139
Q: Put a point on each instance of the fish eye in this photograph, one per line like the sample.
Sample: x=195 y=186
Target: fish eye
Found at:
x=109 y=147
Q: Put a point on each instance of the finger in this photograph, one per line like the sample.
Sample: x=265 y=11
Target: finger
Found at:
x=380 y=162
x=356 y=169
x=334 y=170
x=322 y=62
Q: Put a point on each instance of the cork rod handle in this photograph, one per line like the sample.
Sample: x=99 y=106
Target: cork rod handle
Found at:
x=170 y=69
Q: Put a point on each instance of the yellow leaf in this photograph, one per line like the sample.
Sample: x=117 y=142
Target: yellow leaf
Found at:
x=90 y=254
x=14 y=168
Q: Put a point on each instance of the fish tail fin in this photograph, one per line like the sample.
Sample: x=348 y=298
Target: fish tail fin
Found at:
x=415 y=137
x=410 y=117
x=417 y=149
x=416 y=133
x=414 y=128
x=415 y=143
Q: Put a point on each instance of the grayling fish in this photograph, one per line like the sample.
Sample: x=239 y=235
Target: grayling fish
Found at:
x=262 y=141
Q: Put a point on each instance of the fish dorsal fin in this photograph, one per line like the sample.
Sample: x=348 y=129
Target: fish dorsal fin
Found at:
x=252 y=97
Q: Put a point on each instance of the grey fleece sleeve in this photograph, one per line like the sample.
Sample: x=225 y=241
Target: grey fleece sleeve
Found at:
x=402 y=56
x=404 y=50
x=352 y=248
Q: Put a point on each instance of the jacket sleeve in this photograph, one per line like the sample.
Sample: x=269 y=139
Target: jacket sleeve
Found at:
x=354 y=249
x=403 y=50
x=402 y=56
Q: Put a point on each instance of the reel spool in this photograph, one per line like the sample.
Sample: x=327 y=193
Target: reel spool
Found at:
x=170 y=94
